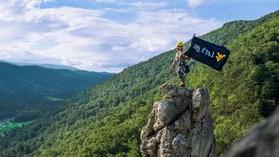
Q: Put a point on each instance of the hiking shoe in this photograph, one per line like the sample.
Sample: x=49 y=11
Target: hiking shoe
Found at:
x=182 y=85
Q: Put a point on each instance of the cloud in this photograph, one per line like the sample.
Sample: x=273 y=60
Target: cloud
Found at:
x=196 y=3
x=105 y=1
x=86 y=39
x=142 y=5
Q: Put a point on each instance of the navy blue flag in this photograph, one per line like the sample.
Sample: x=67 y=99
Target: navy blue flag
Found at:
x=208 y=53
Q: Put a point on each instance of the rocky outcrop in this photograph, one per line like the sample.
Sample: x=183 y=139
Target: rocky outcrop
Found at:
x=179 y=126
x=262 y=141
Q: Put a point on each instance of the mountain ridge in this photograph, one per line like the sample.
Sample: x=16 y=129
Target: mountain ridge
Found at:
x=34 y=85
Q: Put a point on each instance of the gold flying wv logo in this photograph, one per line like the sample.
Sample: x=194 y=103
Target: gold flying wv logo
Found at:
x=220 y=56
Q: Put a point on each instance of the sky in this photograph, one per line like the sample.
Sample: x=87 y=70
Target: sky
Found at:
x=110 y=35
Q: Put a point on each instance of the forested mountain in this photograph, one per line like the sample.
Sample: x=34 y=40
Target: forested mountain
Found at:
x=50 y=66
x=24 y=87
x=106 y=120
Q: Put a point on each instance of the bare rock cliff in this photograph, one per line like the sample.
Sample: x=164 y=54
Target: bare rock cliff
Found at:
x=179 y=126
x=262 y=141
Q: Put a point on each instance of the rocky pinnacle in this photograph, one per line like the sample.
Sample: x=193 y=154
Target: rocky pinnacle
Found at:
x=179 y=125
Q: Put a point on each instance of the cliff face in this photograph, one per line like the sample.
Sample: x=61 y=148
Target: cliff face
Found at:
x=179 y=126
x=262 y=141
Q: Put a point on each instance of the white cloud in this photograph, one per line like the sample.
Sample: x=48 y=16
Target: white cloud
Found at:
x=142 y=5
x=105 y=1
x=85 y=39
x=195 y=3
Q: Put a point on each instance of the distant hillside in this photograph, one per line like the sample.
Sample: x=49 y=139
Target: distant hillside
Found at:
x=106 y=120
x=53 y=66
x=50 y=66
x=34 y=85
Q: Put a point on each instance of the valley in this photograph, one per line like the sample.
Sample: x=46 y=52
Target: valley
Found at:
x=30 y=91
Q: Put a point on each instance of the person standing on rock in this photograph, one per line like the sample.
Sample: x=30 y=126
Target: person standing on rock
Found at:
x=179 y=63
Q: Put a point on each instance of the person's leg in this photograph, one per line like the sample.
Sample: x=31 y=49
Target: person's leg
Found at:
x=181 y=75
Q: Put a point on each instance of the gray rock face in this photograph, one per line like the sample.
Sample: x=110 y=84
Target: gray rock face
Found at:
x=262 y=141
x=179 y=126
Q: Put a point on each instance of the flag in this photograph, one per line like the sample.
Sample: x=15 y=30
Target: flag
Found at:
x=208 y=53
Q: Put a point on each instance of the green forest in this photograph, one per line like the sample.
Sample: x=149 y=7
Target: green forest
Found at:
x=26 y=92
x=106 y=120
